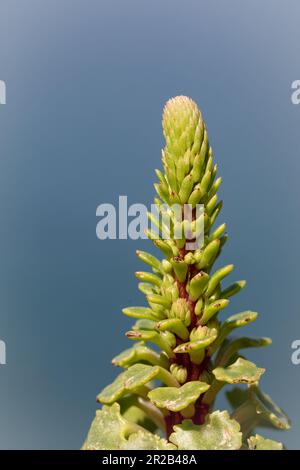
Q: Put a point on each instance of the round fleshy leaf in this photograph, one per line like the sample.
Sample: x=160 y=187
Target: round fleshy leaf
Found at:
x=111 y=431
x=241 y=371
x=258 y=442
x=113 y=391
x=138 y=375
x=134 y=377
x=144 y=440
x=219 y=432
x=177 y=398
x=125 y=358
x=108 y=430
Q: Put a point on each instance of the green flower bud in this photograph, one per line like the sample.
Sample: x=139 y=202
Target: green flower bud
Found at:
x=166 y=266
x=189 y=258
x=179 y=372
x=199 y=306
x=180 y=309
x=201 y=332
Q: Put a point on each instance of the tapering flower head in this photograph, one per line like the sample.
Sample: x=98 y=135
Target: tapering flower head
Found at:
x=182 y=124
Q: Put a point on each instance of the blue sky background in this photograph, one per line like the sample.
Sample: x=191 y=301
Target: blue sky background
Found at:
x=86 y=83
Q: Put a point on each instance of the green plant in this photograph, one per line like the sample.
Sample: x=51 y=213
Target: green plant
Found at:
x=194 y=354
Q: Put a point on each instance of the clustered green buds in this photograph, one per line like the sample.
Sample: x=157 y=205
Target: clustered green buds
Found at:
x=194 y=355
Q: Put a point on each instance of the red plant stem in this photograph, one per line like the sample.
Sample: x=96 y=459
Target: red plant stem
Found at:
x=193 y=370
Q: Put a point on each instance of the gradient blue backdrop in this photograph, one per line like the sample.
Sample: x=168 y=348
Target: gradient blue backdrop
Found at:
x=86 y=83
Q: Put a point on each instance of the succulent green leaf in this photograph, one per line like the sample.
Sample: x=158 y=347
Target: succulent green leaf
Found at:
x=240 y=319
x=144 y=440
x=149 y=259
x=215 y=187
x=212 y=309
x=137 y=353
x=139 y=375
x=257 y=409
x=241 y=371
x=233 y=289
x=217 y=232
x=176 y=399
x=232 y=322
x=158 y=299
x=111 y=431
x=258 y=442
x=113 y=391
x=217 y=277
x=153 y=337
x=164 y=247
x=139 y=312
x=144 y=324
x=219 y=432
x=180 y=268
x=175 y=325
x=133 y=380
x=186 y=189
x=198 y=285
x=149 y=277
x=268 y=411
x=146 y=288
x=196 y=196
x=230 y=348
x=209 y=254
